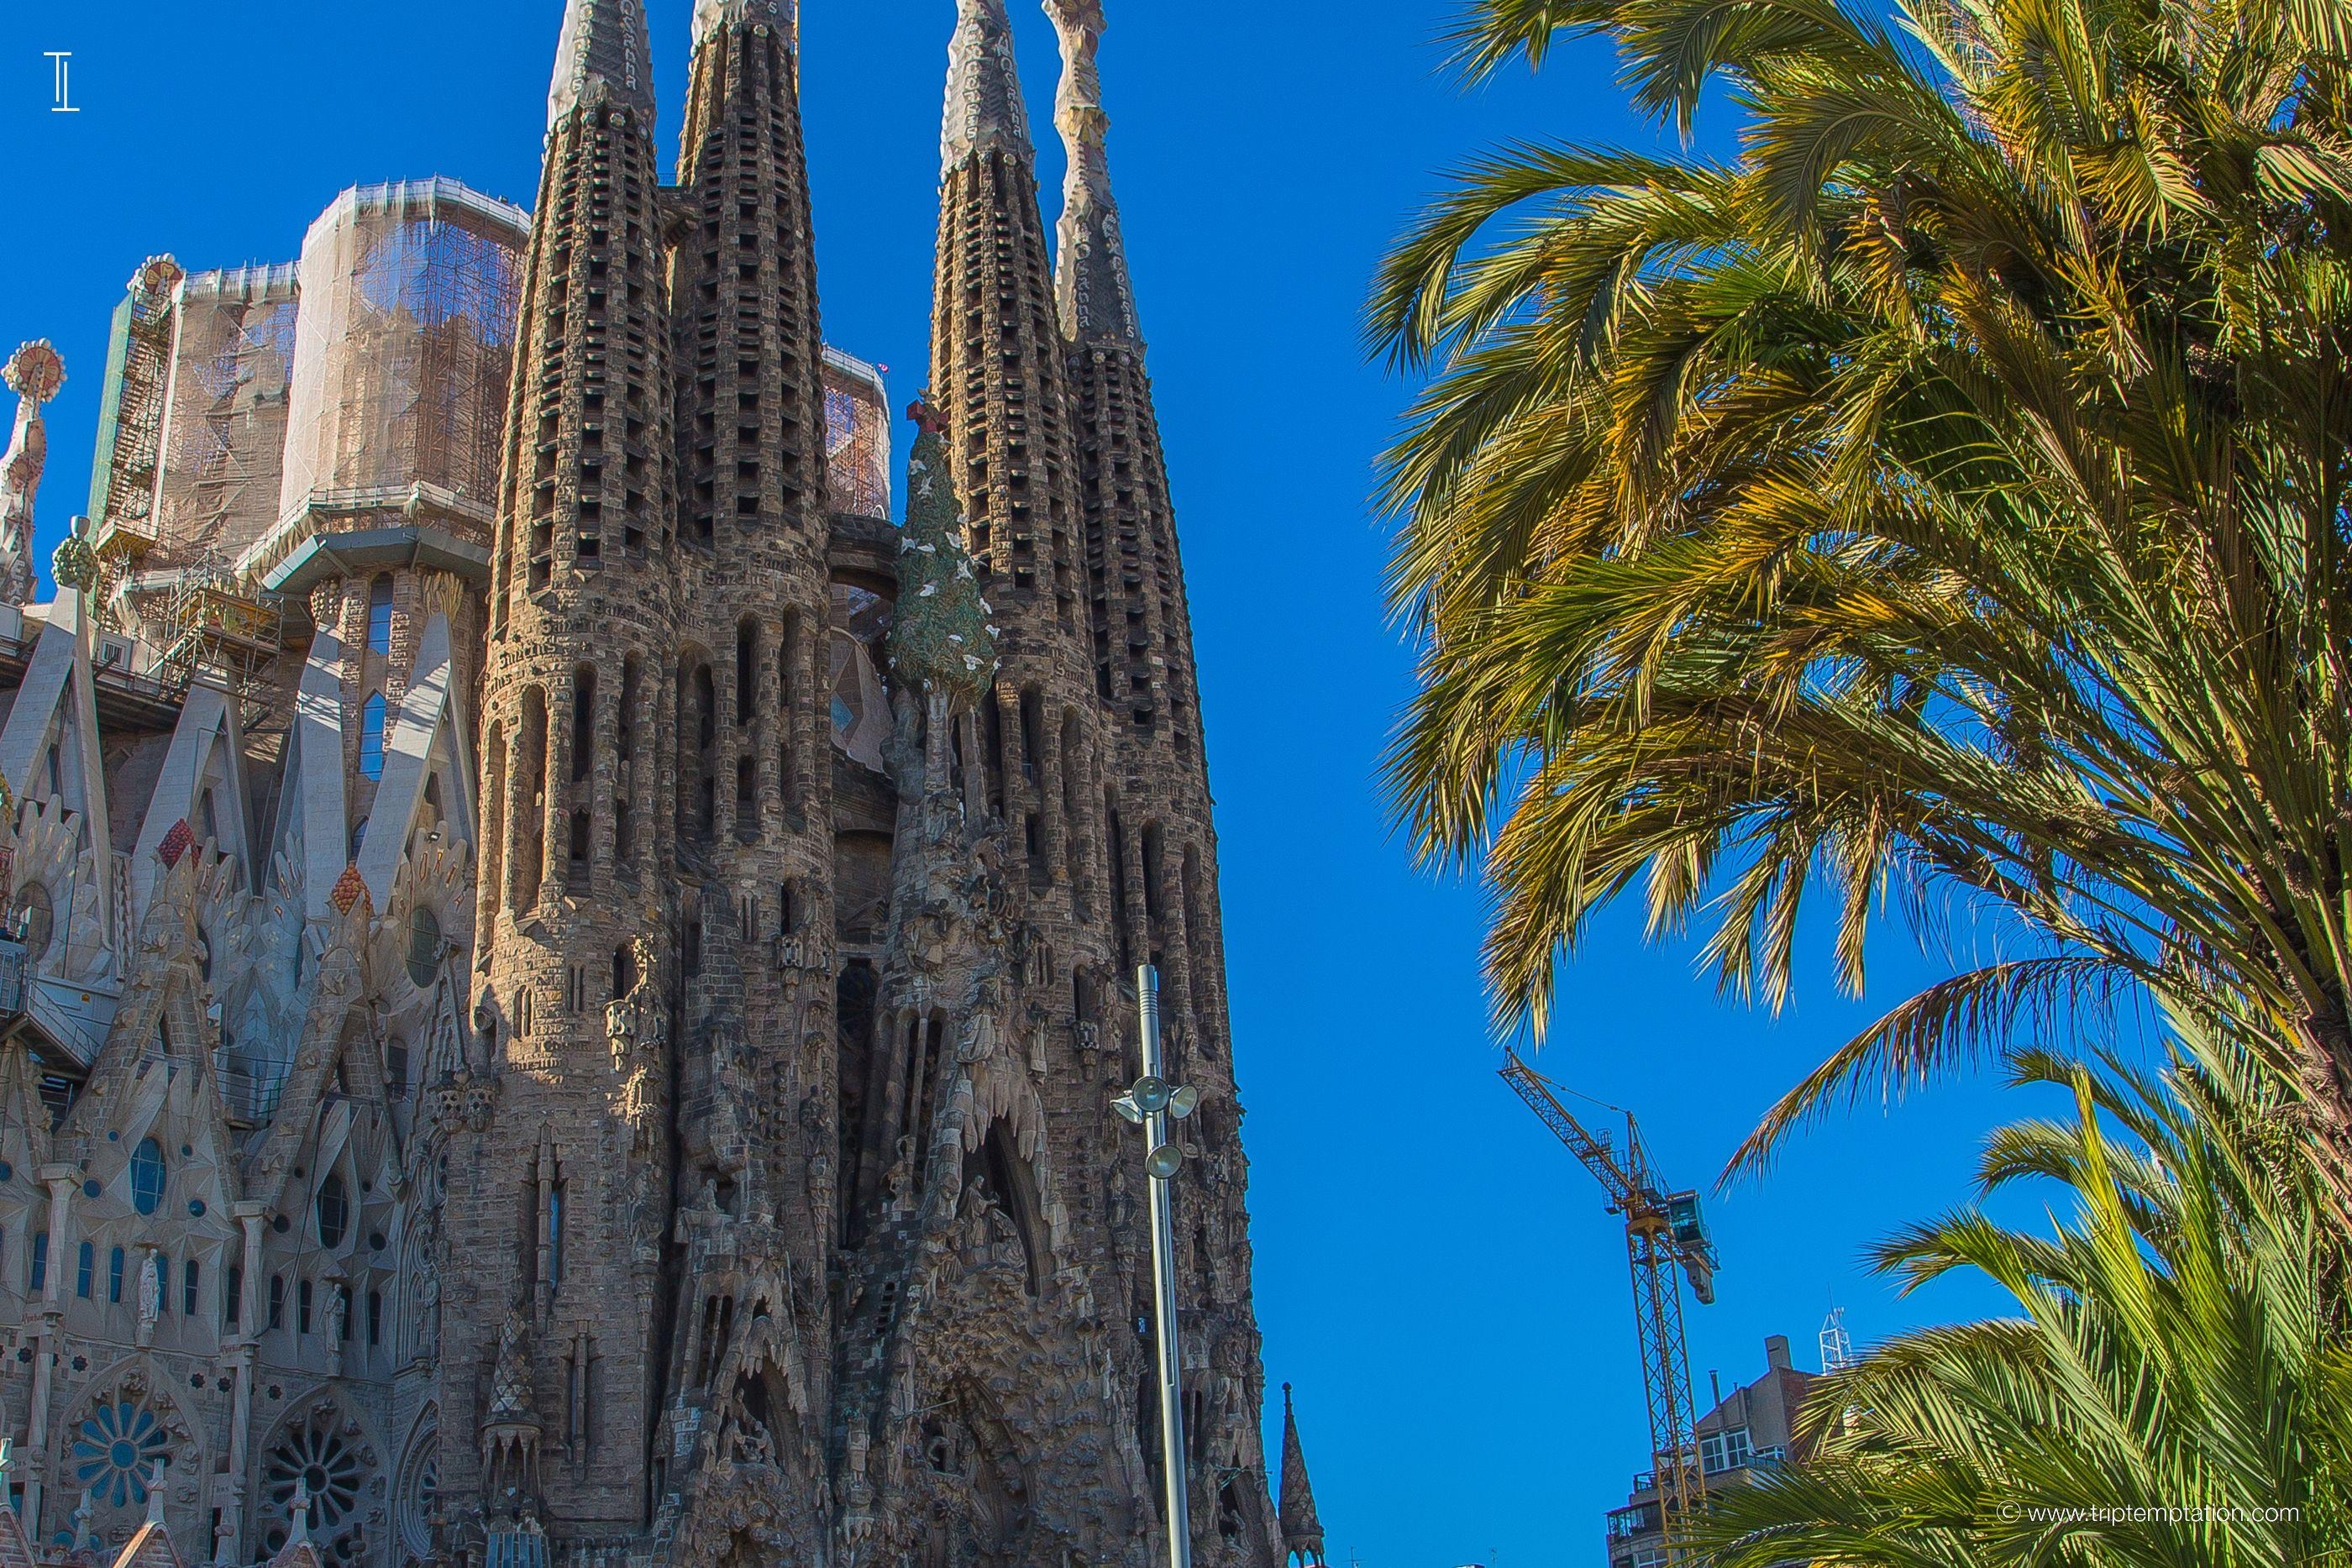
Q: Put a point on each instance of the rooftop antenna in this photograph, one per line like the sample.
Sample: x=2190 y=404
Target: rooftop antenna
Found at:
x=1837 y=1345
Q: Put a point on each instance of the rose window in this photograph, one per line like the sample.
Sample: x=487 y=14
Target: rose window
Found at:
x=115 y=1453
x=315 y=1454
x=419 y=1479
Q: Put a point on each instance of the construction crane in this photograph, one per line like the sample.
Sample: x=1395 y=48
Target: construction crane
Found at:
x=1665 y=1239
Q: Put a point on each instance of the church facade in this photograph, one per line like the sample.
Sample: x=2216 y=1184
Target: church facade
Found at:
x=562 y=975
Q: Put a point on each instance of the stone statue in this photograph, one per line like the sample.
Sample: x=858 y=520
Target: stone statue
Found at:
x=339 y=1313
x=900 y=1183
x=1004 y=1247
x=973 y=1212
x=856 y=1491
x=723 y=1136
x=151 y=1294
x=976 y=1037
x=703 y=1217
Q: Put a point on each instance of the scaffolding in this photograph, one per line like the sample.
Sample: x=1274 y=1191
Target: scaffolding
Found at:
x=225 y=431
x=856 y=438
x=130 y=406
x=210 y=624
x=410 y=298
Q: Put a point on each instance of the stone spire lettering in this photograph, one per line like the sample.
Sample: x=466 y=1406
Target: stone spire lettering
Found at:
x=983 y=107
x=709 y=15
x=604 y=57
x=34 y=373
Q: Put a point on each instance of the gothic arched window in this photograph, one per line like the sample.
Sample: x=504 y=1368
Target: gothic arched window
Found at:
x=372 y=735
x=36 y=920
x=147 y=1176
x=425 y=947
x=334 y=1210
x=380 y=615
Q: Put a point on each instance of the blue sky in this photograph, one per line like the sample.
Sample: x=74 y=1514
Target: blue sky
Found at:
x=1433 y=1273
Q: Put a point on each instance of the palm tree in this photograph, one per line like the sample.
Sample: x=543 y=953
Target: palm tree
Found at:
x=2164 y=1394
x=1941 y=500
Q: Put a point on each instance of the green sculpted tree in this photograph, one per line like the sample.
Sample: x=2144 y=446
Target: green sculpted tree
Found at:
x=2164 y=1394
x=1942 y=498
x=940 y=640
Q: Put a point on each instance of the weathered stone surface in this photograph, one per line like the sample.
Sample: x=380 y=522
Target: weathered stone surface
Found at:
x=604 y=1058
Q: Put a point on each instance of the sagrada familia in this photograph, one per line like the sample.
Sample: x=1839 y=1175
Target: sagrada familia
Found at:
x=562 y=978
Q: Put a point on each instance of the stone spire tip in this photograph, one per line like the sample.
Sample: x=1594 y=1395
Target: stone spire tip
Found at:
x=604 y=57
x=34 y=372
x=1091 y=285
x=1302 y=1529
x=983 y=107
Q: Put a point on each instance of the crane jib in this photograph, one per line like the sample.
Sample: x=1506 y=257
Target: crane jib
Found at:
x=1665 y=1242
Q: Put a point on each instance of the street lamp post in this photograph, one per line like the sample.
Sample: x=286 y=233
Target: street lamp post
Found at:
x=1151 y=1103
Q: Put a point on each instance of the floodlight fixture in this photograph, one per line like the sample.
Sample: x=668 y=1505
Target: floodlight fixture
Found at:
x=1152 y=1094
x=1164 y=1162
x=1128 y=1111
x=1184 y=1101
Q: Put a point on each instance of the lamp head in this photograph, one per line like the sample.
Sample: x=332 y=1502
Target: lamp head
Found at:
x=1128 y=1111
x=1164 y=1161
x=1152 y=1094
x=1184 y=1101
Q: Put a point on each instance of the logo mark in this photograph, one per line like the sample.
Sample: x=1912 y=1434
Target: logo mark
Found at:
x=62 y=61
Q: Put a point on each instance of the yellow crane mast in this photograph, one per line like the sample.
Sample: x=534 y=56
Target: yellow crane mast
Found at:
x=1665 y=1240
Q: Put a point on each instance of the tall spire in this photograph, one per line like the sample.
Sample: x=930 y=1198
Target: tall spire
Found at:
x=604 y=54
x=1090 y=283
x=34 y=373
x=983 y=106
x=1302 y=1531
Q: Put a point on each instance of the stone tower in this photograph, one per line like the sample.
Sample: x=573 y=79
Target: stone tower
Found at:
x=562 y=979
x=741 y=1450
x=559 y=1196
x=1156 y=808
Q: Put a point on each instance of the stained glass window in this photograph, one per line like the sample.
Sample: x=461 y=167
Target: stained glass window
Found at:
x=147 y=1176
x=334 y=1211
x=116 y=1452
x=372 y=736
x=425 y=947
x=380 y=615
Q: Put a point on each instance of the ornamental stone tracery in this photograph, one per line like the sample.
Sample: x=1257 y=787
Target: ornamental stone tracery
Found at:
x=544 y=914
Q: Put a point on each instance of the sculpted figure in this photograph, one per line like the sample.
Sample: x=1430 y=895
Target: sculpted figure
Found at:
x=151 y=1295
x=900 y=1182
